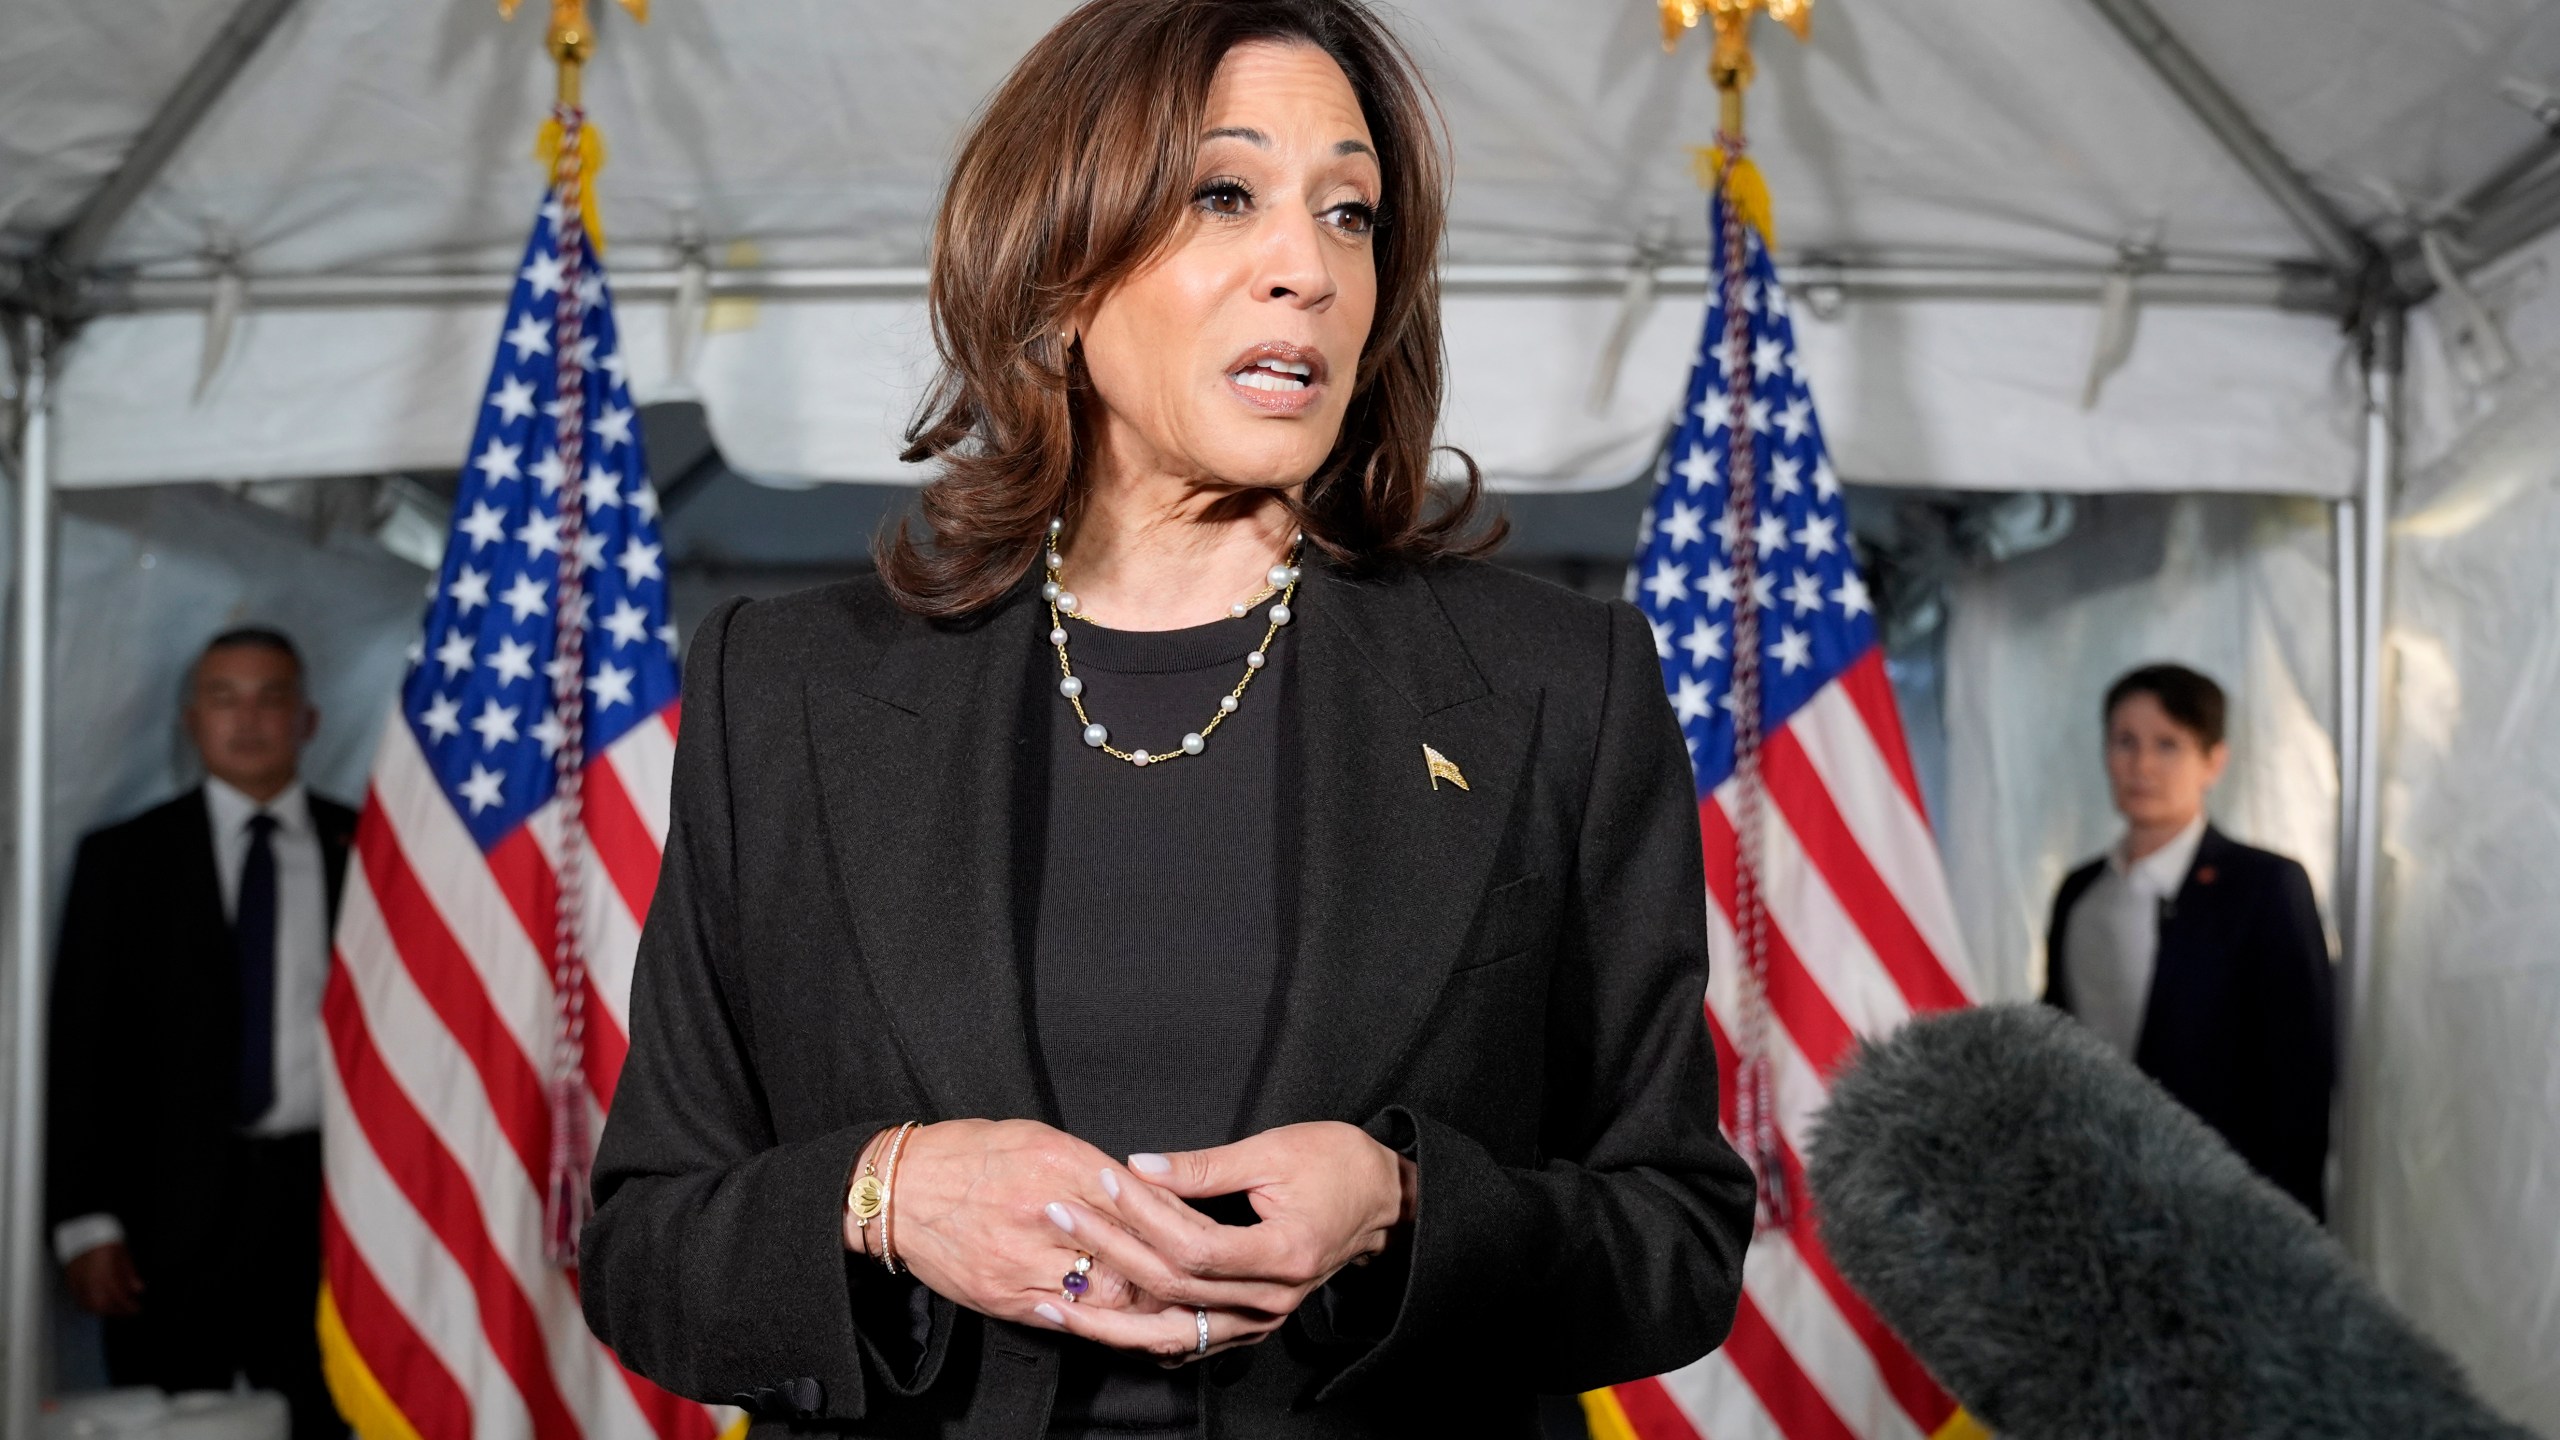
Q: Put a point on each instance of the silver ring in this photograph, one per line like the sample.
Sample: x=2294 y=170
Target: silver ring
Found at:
x=1201 y=1319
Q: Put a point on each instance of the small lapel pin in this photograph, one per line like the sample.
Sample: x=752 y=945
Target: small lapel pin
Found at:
x=2204 y=875
x=1442 y=768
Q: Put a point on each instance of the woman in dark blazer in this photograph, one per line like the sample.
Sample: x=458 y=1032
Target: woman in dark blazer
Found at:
x=989 y=1067
x=2200 y=959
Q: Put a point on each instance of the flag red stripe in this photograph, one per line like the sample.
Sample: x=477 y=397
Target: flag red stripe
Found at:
x=417 y=1161
x=524 y=877
x=674 y=716
x=1728 y=1068
x=620 y=838
x=1796 y=788
x=1785 y=1391
x=425 y=1392
x=1652 y=1413
x=443 y=974
x=1871 y=690
x=1913 y=1388
x=1910 y=1382
x=605 y=1049
x=672 y=1417
x=1794 y=995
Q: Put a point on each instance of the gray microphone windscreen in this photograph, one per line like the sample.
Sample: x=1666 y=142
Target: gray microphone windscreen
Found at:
x=2072 y=1254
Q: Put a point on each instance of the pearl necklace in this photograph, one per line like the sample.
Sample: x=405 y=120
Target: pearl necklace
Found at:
x=1281 y=580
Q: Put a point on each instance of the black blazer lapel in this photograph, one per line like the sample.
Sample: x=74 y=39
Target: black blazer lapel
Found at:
x=336 y=827
x=918 y=762
x=2191 y=924
x=199 y=872
x=205 y=971
x=1389 y=870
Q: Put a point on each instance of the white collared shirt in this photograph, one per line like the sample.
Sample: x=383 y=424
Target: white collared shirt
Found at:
x=302 y=968
x=2111 y=939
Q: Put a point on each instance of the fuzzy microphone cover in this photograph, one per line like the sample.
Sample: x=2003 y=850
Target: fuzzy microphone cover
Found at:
x=2075 y=1257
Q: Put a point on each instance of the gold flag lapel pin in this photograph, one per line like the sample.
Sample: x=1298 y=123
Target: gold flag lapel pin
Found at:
x=1442 y=768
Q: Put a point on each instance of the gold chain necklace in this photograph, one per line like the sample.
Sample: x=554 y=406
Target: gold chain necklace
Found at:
x=1281 y=580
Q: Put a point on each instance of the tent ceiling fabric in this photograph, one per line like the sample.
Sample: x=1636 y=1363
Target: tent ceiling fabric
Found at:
x=367 y=134
x=376 y=137
x=78 y=81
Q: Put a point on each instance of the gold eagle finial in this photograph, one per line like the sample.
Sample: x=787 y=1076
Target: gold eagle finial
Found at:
x=571 y=32
x=1731 y=65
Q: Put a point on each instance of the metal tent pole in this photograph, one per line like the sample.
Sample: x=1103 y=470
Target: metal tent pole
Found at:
x=25 y=1270
x=2362 y=618
x=2373 y=522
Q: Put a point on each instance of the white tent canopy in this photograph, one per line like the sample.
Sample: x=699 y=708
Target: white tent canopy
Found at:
x=377 y=156
x=272 y=237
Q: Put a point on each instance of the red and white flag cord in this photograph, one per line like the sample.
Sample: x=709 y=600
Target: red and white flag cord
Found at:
x=566 y=1199
x=1755 y=1100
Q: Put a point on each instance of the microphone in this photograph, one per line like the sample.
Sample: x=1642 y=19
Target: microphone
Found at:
x=2072 y=1254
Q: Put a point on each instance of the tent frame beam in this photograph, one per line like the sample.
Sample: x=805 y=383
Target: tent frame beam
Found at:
x=1810 y=280
x=77 y=246
x=2510 y=209
x=2349 y=253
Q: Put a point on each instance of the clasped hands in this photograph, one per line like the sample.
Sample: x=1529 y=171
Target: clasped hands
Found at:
x=991 y=1214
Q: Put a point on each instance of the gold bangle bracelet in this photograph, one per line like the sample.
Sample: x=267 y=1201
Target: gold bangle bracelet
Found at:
x=888 y=1192
x=867 y=1195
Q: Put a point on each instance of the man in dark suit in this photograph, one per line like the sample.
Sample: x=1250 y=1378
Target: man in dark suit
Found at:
x=2198 y=957
x=184 y=1169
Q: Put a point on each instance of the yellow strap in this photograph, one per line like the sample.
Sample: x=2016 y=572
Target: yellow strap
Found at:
x=1961 y=1426
x=546 y=148
x=1606 y=1417
x=1750 y=191
x=361 y=1398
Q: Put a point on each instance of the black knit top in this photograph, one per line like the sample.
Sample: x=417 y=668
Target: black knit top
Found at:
x=1155 y=947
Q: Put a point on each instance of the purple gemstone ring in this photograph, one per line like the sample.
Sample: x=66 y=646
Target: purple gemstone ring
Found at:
x=1078 y=1280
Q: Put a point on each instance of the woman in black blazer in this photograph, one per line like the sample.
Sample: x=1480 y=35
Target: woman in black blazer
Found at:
x=989 y=1067
x=2227 y=998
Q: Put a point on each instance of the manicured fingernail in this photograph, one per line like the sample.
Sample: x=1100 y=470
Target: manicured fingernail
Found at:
x=1050 y=1313
x=1151 y=1164
x=1059 y=1217
x=1110 y=1184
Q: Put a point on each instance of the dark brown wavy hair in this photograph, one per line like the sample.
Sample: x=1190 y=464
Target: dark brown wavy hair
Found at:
x=1078 y=173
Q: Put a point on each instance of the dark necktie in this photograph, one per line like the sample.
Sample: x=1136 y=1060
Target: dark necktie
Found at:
x=253 y=926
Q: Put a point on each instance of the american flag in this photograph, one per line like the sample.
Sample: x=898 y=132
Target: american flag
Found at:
x=509 y=841
x=1842 y=925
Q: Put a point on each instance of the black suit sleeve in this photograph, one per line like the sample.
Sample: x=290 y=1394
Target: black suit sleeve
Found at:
x=2293 y=1013
x=715 y=1262
x=1621 y=1255
x=2057 y=982
x=80 y=1099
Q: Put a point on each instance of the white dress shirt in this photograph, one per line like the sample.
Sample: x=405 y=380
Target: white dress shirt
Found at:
x=2111 y=940
x=302 y=967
